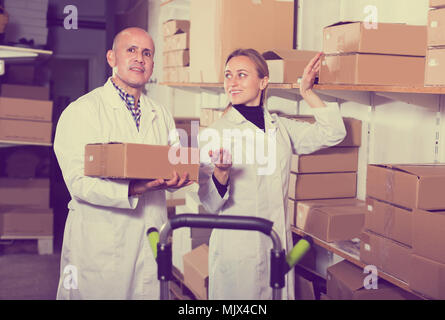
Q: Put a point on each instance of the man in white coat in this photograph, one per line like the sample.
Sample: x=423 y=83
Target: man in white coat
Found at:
x=105 y=253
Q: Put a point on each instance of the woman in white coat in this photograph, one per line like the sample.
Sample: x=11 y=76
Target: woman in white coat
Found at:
x=232 y=184
x=105 y=252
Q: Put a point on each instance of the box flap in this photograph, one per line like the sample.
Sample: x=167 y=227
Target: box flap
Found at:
x=419 y=170
x=348 y=274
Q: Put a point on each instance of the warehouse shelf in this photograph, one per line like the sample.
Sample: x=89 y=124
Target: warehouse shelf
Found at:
x=6 y=144
x=20 y=54
x=350 y=251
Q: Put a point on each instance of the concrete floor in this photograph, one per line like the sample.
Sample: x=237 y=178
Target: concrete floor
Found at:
x=26 y=275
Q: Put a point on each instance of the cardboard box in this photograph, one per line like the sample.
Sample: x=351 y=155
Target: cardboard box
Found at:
x=179 y=41
x=25 y=92
x=138 y=161
x=302 y=209
x=337 y=223
x=436 y=25
x=22 y=221
x=176 y=74
x=435 y=67
x=387 y=255
x=291 y=211
x=178 y=58
x=25 y=131
x=20 y=74
x=428 y=234
x=389 y=221
x=345 y=281
x=408 y=185
x=196 y=271
x=372 y=69
x=427 y=277
x=353 y=130
x=25 y=192
x=286 y=66
x=26 y=109
x=334 y=159
x=437 y=3
x=221 y=26
x=171 y=27
x=322 y=185
x=388 y=38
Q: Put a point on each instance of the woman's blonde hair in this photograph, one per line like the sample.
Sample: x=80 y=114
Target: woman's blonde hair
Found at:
x=261 y=67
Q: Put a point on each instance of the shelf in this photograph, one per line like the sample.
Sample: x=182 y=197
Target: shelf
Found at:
x=362 y=88
x=19 y=54
x=6 y=144
x=349 y=251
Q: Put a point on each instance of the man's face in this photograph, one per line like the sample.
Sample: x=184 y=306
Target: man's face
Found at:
x=132 y=58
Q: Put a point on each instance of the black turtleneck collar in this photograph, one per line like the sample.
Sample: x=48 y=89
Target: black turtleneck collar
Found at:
x=254 y=114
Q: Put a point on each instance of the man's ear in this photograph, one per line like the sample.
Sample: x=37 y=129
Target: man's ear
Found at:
x=264 y=82
x=111 y=58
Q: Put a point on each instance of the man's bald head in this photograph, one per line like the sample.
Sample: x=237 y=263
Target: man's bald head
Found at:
x=130 y=32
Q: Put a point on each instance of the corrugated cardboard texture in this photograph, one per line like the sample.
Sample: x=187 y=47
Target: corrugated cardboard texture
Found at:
x=306 y=186
x=196 y=271
x=286 y=66
x=25 y=131
x=373 y=69
x=345 y=282
x=410 y=186
x=225 y=26
x=171 y=27
x=429 y=234
x=25 y=192
x=427 y=277
x=26 y=109
x=387 y=255
x=435 y=67
x=353 y=130
x=388 y=38
x=436 y=25
x=389 y=221
x=25 y=92
x=22 y=221
x=334 y=223
x=326 y=160
x=136 y=161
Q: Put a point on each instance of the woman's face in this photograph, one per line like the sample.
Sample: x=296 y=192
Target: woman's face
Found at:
x=242 y=83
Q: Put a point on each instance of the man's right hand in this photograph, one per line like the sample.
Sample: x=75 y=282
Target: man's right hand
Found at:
x=138 y=187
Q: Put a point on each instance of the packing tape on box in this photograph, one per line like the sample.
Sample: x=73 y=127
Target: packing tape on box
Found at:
x=432 y=62
x=434 y=24
x=389 y=185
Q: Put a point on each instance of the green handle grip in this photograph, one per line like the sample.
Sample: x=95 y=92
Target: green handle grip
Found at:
x=153 y=239
x=298 y=251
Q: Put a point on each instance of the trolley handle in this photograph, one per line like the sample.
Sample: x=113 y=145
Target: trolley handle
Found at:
x=221 y=222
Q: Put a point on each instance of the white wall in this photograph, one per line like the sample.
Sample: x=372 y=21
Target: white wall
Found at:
x=393 y=131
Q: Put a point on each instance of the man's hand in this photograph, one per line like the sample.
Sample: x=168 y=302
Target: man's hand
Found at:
x=138 y=187
x=222 y=159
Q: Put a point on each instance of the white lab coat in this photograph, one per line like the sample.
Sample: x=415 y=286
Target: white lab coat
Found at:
x=239 y=261
x=105 y=253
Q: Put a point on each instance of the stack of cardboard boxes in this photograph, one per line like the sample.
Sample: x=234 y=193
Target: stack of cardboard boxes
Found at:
x=323 y=187
x=435 y=62
x=358 y=53
x=176 y=55
x=402 y=236
x=25 y=118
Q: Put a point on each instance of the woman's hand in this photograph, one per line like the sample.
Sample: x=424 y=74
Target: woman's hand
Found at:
x=222 y=159
x=311 y=70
